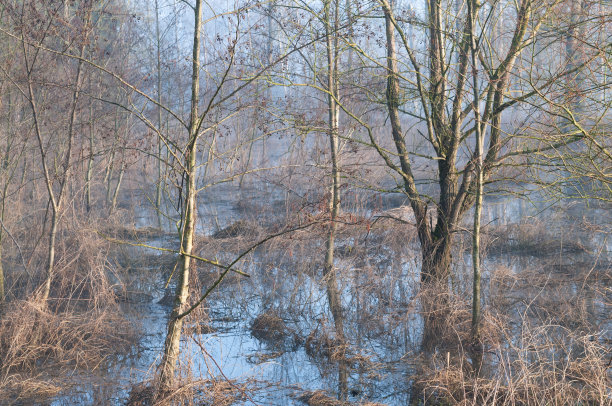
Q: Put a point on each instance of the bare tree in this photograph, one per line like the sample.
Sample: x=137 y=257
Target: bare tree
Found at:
x=175 y=324
x=56 y=189
x=450 y=118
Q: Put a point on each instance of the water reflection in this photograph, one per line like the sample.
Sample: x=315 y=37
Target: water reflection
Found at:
x=377 y=285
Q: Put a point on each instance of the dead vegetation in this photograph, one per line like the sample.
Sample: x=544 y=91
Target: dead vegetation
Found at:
x=377 y=264
x=541 y=369
x=544 y=342
x=124 y=232
x=534 y=237
x=201 y=392
x=78 y=329
x=240 y=228
x=270 y=328
x=321 y=343
x=378 y=267
x=321 y=398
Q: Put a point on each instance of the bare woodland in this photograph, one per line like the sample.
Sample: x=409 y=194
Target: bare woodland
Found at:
x=326 y=202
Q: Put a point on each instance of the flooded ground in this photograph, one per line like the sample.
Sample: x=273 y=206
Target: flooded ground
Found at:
x=272 y=334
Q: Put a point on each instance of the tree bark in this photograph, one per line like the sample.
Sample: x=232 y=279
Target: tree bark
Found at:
x=158 y=191
x=476 y=346
x=2 y=293
x=175 y=324
x=444 y=112
x=436 y=245
x=113 y=203
x=55 y=200
x=333 y=294
x=89 y=160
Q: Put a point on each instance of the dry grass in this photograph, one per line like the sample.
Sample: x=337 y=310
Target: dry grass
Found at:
x=200 y=392
x=538 y=371
x=321 y=398
x=321 y=342
x=269 y=327
x=79 y=327
x=535 y=331
x=532 y=237
x=542 y=345
x=240 y=228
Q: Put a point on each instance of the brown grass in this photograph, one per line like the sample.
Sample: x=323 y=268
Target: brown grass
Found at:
x=270 y=328
x=542 y=346
x=532 y=237
x=200 y=392
x=79 y=327
x=537 y=372
x=321 y=398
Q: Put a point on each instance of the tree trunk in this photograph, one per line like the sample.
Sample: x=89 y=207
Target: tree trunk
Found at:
x=436 y=245
x=175 y=323
x=46 y=288
x=2 y=294
x=435 y=272
x=89 y=160
x=55 y=199
x=158 y=194
x=113 y=203
x=476 y=346
x=108 y=175
x=333 y=294
x=5 y=166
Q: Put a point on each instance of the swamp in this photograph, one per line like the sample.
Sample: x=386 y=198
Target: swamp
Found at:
x=305 y=202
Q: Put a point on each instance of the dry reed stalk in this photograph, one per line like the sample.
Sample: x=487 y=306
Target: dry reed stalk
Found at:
x=78 y=329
